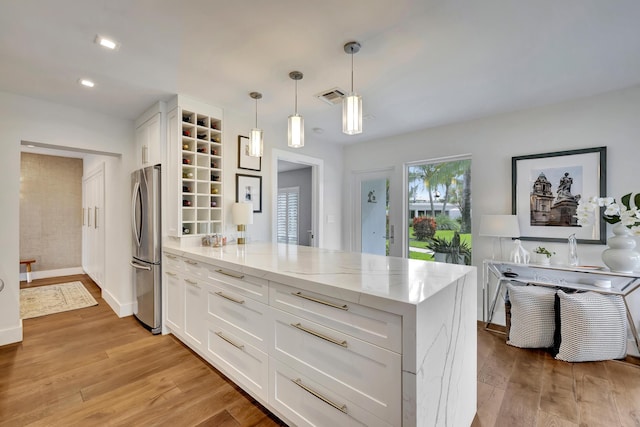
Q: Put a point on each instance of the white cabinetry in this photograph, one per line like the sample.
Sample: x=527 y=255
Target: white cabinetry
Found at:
x=331 y=361
x=185 y=303
x=237 y=321
x=93 y=231
x=194 y=143
x=148 y=142
x=311 y=358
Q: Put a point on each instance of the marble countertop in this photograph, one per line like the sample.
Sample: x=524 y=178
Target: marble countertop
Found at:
x=354 y=277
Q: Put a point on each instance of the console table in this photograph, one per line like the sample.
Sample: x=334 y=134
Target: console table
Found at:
x=561 y=277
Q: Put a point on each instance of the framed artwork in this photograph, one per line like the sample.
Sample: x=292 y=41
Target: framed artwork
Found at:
x=249 y=189
x=245 y=161
x=546 y=189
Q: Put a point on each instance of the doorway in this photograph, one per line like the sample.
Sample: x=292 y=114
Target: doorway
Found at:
x=438 y=209
x=372 y=231
x=298 y=191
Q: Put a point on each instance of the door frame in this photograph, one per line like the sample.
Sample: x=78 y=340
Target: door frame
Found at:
x=405 y=192
x=317 y=192
x=357 y=177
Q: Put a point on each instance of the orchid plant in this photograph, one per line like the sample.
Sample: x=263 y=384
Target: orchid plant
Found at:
x=614 y=212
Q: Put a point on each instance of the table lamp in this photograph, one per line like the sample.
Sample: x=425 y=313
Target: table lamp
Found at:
x=499 y=226
x=242 y=214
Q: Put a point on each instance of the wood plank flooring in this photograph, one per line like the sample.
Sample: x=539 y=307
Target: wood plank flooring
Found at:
x=87 y=367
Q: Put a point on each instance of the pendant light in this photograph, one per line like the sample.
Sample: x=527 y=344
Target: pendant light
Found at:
x=296 y=121
x=256 y=135
x=352 y=103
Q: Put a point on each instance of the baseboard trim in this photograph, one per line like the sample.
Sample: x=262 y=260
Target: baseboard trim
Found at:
x=122 y=310
x=11 y=335
x=45 y=274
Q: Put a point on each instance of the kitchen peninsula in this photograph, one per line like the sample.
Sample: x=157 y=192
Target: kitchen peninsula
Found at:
x=323 y=337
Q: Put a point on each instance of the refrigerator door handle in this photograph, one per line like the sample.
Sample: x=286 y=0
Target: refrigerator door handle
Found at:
x=134 y=199
x=140 y=267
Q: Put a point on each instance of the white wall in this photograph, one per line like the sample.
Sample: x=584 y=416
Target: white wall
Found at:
x=275 y=137
x=606 y=120
x=28 y=119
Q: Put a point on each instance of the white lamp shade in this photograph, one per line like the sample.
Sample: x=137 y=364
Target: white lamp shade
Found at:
x=255 y=142
x=499 y=226
x=352 y=114
x=242 y=213
x=296 y=131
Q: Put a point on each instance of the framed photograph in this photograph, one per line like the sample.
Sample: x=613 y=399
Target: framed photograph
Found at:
x=546 y=189
x=249 y=189
x=245 y=161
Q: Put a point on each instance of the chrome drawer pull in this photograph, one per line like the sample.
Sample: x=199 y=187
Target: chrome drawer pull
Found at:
x=344 y=307
x=319 y=335
x=240 y=346
x=191 y=282
x=188 y=261
x=170 y=256
x=237 y=301
x=171 y=273
x=226 y=273
x=341 y=408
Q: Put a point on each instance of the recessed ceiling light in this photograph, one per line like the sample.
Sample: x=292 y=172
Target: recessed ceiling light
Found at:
x=105 y=42
x=86 y=83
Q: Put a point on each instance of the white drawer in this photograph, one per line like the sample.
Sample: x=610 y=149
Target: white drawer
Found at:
x=308 y=403
x=241 y=362
x=173 y=262
x=366 y=374
x=244 y=316
x=194 y=268
x=244 y=284
x=371 y=325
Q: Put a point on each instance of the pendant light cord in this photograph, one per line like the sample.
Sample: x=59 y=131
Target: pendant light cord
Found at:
x=352 y=71
x=256 y=113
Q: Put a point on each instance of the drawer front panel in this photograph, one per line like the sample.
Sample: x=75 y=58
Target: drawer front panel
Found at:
x=308 y=403
x=173 y=263
x=243 y=363
x=246 y=285
x=246 y=317
x=195 y=268
x=377 y=327
x=359 y=371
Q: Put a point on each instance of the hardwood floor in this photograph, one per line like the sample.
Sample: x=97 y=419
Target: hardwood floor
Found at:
x=87 y=367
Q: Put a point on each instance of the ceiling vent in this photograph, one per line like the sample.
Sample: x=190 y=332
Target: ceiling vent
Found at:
x=331 y=96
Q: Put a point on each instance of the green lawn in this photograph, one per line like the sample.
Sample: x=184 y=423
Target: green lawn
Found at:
x=443 y=234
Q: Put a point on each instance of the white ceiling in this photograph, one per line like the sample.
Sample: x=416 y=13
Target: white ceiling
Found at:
x=423 y=62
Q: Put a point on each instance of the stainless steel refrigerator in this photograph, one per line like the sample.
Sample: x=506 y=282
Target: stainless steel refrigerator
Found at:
x=146 y=257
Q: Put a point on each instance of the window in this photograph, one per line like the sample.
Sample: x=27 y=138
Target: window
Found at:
x=288 y=215
x=439 y=209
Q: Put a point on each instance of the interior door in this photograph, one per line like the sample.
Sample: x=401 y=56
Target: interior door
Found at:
x=371 y=228
x=373 y=216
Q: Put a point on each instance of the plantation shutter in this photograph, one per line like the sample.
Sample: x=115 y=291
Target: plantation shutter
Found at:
x=288 y=215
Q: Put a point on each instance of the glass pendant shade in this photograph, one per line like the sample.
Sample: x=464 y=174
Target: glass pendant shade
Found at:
x=255 y=142
x=352 y=114
x=296 y=131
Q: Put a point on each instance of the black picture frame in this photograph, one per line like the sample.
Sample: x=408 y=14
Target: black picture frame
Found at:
x=245 y=161
x=249 y=189
x=543 y=216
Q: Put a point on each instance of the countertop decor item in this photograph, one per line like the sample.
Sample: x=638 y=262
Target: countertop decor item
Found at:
x=519 y=255
x=542 y=255
x=620 y=256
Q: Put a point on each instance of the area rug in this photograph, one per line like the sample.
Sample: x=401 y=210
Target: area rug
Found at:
x=43 y=300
